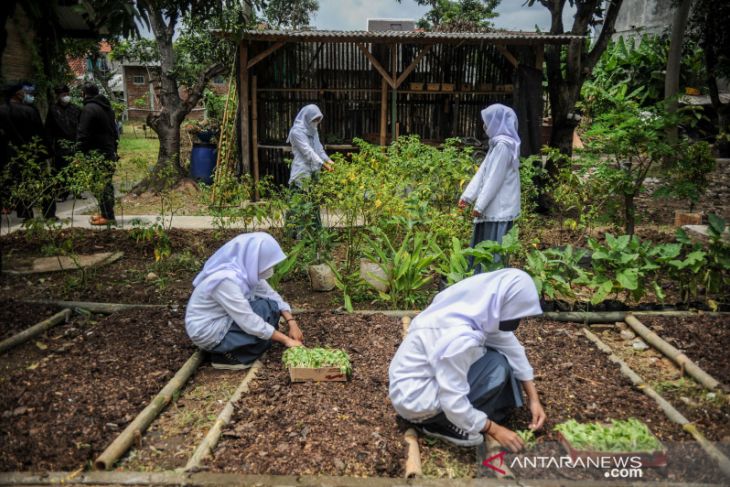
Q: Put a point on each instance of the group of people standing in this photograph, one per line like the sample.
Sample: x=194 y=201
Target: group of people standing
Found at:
x=68 y=128
x=460 y=371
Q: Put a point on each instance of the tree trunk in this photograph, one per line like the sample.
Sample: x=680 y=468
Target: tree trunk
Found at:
x=674 y=62
x=629 y=214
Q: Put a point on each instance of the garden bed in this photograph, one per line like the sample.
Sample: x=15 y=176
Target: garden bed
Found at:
x=577 y=381
x=16 y=316
x=704 y=339
x=70 y=405
x=328 y=428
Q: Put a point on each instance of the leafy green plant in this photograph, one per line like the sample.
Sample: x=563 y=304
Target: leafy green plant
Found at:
x=316 y=358
x=345 y=284
x=154 y=234
x=621 y=264
x=528 y=438
x=454 y=266
x=555 y=270
x=717 y=273
x=407 y=266
x=687 y=176
x=282 y=269
x=629 y=435
x=493 y=255
x=683 y=263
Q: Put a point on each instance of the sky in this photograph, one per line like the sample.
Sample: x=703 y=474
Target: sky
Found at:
x=353 y=14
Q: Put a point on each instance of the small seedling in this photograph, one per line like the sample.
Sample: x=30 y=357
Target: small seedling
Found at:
x=528 y=437
x=629 y=435
x=316 y=358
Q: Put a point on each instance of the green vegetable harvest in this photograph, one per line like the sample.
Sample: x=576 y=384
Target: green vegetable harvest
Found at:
x=528 y=437
x=629 y=435
x=316 y=358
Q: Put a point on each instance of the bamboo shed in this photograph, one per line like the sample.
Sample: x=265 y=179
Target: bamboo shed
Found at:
x=379 y=85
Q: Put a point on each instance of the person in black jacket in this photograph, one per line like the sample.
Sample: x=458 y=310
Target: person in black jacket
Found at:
x=98 y=133
x=20 y=123
x=61 y=127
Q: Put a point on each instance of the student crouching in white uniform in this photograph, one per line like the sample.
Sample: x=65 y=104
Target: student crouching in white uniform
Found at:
x=495 y=188
x=455 y=375
x=309 y=159
x=233 y=312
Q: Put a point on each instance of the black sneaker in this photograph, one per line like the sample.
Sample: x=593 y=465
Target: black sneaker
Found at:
x=452 y=433
x=226 y=361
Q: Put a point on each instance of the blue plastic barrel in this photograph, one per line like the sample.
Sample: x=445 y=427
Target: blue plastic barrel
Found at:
x=202 y=162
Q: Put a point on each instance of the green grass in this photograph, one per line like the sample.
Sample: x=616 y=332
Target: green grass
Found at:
x=136 y=155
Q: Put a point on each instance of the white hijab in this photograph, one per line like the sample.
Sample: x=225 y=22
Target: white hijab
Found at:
x=305 y=121
x=475 y=306
x=501 y=124
x=242 y=260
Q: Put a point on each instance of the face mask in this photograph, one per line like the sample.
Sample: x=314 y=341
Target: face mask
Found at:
x=509 y=325
x=66 y=100
x=267 y=273
x=28 y=99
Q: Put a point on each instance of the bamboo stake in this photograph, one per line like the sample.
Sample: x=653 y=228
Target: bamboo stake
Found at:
x=413 y=460
x=34 y=330
x=205 y=448
x=125 y=439
x=669 y=410
x=675 y=355
x=406 y=321
x=103 y=308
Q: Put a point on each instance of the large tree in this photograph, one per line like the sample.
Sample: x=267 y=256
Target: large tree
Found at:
x=458 y=15
x=709 y=26
x=568 y=66
x=205 y=47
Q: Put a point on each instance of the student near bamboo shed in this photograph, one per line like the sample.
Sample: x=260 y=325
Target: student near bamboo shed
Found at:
x=309 y=159
x=233 y=312
x=455 y=375
x=495 y=189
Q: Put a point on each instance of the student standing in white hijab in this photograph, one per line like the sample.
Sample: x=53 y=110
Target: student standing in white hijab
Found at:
x=495 y=189
x=455 y=375
x=233 y=312
x=309 y=159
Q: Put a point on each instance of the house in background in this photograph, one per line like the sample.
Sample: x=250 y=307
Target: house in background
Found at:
x=639 y=17
x=99 y=67
x=382 y=25
x=141 y=90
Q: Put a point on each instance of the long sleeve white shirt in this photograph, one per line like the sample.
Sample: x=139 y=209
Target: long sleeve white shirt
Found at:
x=309 y=155
x=495 y=188
x=419 y=392
x=209 y=318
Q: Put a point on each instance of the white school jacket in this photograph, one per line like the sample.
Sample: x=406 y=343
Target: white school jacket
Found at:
x=419 y=392
x=309 y=155
x=495 y=188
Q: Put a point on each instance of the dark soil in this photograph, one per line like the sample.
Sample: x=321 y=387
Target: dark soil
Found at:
x=704 y=339
x=64 y=411
x=329 y=428
x=577 y=381
x=129 y=281
x=16 y=316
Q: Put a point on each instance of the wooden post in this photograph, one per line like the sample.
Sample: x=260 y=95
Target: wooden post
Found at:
x=383 y=111
x=394 y=93
x=243 y=103
x=255 y=137
x=540 y=56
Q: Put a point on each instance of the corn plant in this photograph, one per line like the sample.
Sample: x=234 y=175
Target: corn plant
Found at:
x=407 y=266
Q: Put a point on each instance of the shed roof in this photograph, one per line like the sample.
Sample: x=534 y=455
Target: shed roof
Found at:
x=410 y=37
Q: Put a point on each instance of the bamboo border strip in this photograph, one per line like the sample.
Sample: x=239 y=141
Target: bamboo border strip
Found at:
x=413 y=458
x=121 y=443
x=94 y=307
x=35 y=330
x=675 y=416
x=234 y=479
x=679 y=358
x=206 y=446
